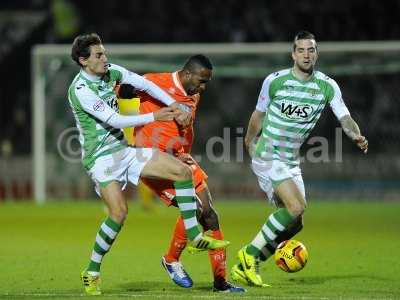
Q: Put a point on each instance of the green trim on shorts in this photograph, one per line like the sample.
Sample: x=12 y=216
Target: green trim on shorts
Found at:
x=275 y=183
x=105 y=183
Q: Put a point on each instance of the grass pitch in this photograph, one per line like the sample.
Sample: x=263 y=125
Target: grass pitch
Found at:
x=353 y=246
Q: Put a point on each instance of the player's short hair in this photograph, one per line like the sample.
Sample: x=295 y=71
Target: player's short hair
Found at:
x=302 y=35
x=197 y=61
x=81 y=46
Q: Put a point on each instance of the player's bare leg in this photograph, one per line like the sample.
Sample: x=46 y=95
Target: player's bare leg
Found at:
x=109 y=229
x=208 y=217
x=291 y=197
x=115 y=201
x=165 y=166
x=210 y=222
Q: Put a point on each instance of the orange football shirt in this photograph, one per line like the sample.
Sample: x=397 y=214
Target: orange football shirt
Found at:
x=166 y=135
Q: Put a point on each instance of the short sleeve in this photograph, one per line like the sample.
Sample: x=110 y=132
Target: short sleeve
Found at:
x=337 y=104
x=264 y=98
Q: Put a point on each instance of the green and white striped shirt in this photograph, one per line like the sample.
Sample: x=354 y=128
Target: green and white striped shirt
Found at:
x=94 y=105
x=292 y=109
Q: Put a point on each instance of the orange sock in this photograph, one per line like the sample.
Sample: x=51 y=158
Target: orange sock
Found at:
x=178 y=242
x=218 y=259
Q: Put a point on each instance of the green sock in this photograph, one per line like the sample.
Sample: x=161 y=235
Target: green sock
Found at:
x=252 y=250
x=104 y=239
x=276 y=223
x=187 y=205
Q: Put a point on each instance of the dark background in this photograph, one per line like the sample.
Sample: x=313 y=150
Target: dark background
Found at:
x=26 y=23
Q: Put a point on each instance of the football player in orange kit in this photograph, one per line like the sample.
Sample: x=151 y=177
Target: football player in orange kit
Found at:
x=185 y=86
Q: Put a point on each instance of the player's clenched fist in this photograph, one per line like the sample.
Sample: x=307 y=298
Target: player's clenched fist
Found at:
x=362 y=143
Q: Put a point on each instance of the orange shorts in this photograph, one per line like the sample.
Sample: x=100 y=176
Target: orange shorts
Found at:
x=165 y=188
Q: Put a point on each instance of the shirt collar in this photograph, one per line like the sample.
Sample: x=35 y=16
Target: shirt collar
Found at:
x=89 y=76
x=178 y=83
x=298 y=79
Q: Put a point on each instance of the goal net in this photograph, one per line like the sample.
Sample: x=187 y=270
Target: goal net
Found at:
x=367 y=72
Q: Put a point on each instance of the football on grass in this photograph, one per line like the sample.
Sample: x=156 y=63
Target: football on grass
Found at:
x=291 y=256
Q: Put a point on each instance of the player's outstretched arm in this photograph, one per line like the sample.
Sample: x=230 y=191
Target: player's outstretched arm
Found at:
x=352 y=130
x=184 y=113
x=120 y=121
x=341 y=112
x=96 y=107
x=142 y=84
x=253 y=128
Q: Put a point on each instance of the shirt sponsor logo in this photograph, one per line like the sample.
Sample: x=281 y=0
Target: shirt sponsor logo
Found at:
x=296 y=111
x=98 y=106
x=112 y=102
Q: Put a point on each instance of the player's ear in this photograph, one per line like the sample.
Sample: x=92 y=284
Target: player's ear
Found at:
x=83 y=61
x=293 y=55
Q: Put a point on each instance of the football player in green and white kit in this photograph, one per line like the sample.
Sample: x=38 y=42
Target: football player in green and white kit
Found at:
x=107 y=158
x=289 y=106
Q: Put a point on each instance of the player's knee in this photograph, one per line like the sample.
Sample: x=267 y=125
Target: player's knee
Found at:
x=297 y=208
x=183 y=172
x=119 y=214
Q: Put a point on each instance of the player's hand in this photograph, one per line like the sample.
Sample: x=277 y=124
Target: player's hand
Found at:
x=251 y=144
x=183 y=118
x=186 y=158
x=175 y=105
x=362 y=143
x=165 y=114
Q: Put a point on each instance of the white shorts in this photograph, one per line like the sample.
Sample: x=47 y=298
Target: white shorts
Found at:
x=122 y=166
x=269 y=173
